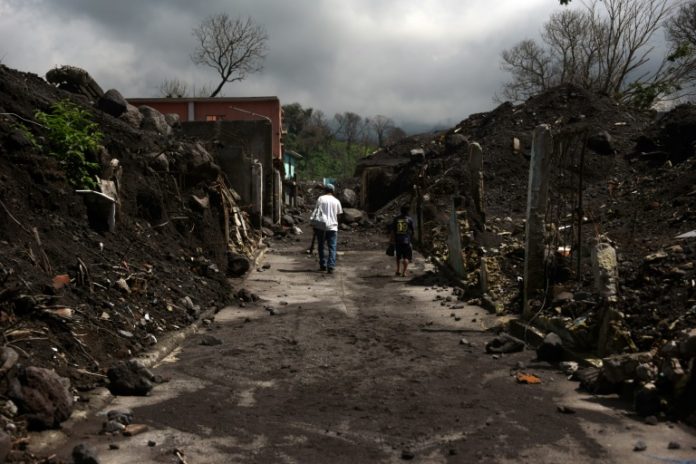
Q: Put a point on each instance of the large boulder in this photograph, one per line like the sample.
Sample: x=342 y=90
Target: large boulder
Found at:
x=75 y=80
x=42 y=396
x=551 y=349
x=154 y=121
x=601 y=143
x=351 y=215
x=113 y=103
x=195 y=161
x=132 y=116
x=348 y=198
x=620 y=368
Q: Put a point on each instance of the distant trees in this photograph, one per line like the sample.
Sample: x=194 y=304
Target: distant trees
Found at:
x=605 y=47
x=331 y=148
x=381 y=125
x=234 y=47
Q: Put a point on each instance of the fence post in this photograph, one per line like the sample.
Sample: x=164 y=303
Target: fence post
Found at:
x=537 y=197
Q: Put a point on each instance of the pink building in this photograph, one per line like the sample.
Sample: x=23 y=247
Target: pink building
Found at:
x=224 y=109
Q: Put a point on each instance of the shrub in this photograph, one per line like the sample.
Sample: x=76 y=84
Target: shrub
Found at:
x=72 y=138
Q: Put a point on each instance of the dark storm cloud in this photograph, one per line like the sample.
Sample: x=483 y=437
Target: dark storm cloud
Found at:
x=417 y=61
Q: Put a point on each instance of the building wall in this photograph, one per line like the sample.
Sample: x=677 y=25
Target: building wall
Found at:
x=252 y=109
x=236 y=145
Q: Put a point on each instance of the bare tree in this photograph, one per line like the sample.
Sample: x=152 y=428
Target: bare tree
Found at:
x=393 y=135
x=350 y=128
x=381 y=125
x=233 y=47
x=605 y=47
x=681 y=28
x=173 y=88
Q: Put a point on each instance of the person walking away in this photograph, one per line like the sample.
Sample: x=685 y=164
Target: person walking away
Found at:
x=402 y=233
x=325 y=218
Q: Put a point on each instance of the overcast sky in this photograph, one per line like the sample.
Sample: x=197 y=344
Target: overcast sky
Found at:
x=416 y=61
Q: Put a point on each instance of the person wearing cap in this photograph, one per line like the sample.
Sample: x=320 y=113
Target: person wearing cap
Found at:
x=328 y=208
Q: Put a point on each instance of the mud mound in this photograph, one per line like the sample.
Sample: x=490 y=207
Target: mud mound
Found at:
x=74 y=298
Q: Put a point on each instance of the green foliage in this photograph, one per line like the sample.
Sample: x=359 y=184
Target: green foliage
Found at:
x=331 y=160
x=73 y=137
x=644 y=96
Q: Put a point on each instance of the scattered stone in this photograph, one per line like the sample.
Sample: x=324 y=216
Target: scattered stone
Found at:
x=407 y=455
x=151 y=443
x=647 y=401
x=569 y=367
x=130 y=378
x=673 y=445
x=351 y=215
x=504 y=343
x=551 y=349
x=640 y=446
x=209 y=340
x=123 y=285
x=124 y=417
x=112 y=426
x=83 y=454
x=464 y=342
x=113 y=103
x=563 y=409
x=652 y=420
x=113 y=446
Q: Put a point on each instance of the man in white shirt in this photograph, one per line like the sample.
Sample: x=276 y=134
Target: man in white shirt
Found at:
x=331 y=208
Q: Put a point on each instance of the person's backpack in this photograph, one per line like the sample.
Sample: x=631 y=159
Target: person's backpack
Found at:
x=318 y=219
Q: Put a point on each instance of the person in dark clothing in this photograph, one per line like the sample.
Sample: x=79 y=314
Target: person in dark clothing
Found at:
x=401 y=230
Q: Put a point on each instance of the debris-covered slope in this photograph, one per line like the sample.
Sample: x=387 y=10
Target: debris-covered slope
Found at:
x=76 y=297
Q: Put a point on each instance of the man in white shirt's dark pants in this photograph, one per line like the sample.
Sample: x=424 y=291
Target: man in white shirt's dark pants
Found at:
x=331 y=208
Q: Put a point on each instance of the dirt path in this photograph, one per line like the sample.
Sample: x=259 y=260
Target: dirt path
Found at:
x=362 y=366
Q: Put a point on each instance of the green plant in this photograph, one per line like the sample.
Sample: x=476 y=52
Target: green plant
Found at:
x=72 y=137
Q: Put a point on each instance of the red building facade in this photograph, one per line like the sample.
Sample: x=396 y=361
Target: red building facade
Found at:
x=224 y=109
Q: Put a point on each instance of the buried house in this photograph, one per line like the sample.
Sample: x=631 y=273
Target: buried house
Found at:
x=245 y=136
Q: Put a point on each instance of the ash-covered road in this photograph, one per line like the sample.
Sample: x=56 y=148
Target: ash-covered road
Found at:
x=359 y=367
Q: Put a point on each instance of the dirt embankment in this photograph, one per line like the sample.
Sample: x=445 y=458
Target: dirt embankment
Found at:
x=74 y=296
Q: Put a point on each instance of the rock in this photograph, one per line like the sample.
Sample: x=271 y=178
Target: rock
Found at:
x=569 y=367
x=551 y=349
x=673 y=445
x=673 y=370
x=646 y=372
x=237 y=265
x=42 y=396
x=651 y=420
x=504 y=344
x=344 y=227
x=173 y=119
x=670 y=349
x=464 y=342
x=601 y=143
x=563 y=409
x=154 y=121
x=113 y=103
x=130 y=378
x=5 y=445
x=83 y=454
x=132 y=116
x=647 y=400
x=351 y=215
x=123 y=285
x=209 y=340
x=640 y=446
x=122 y=416
x=407 y=455
x=296 y=230
x=112 y=427
x=348 y=198
x=75 y=80
x=288 y=220
x=687 y=345
x=456 y=141
x=617 y=369
x=8 y=358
